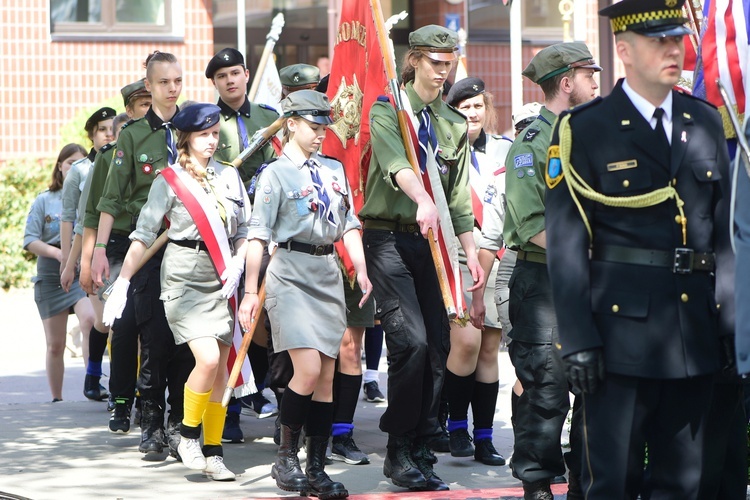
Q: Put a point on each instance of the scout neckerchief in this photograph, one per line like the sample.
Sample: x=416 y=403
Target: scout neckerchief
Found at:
x=324 y=205
x=428 y=165
x=202 y=209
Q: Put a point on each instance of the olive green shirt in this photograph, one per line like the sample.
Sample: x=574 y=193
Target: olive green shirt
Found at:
x=383 y=198
x=140 y=153
x=524 y=183
x=255 y=117
x=98 y=177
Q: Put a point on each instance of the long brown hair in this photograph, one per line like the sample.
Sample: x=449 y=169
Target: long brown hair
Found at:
x=66 y=152
x=407 y=70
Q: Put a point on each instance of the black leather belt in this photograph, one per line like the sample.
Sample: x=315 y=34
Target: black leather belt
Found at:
x=194 y=244
x=307 y=248
x=536 y=257
x=387 y=225
x=679 y=260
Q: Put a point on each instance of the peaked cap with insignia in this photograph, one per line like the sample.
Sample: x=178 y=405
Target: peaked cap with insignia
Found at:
x=436 y=42
x=299 y=75
x=557 y=59
x=308 y=104
x=655 y=18
x=133 y=91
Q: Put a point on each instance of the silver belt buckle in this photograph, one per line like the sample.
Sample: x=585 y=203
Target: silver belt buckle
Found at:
x=683 y=261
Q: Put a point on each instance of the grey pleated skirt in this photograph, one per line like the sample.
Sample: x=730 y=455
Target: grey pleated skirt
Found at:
x=305 y=302
x=191 y=292
x=49 y=296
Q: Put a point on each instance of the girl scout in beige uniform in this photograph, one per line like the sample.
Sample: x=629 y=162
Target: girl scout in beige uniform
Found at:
x=303 y=201
x=194 y=300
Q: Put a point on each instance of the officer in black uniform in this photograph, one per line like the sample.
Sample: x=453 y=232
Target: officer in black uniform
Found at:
x=636 y=221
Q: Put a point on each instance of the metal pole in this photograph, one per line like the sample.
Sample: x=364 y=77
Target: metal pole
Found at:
x=241 y=29
x=516 y=57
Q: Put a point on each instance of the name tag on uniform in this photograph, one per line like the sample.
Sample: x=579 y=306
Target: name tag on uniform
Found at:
x=621 y=165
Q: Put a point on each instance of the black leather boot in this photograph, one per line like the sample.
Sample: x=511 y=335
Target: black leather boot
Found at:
x=174 y=421
x=399 y=466
x=93 y=390
x=420 y=453
x=286 y=470
x=321 y=485
x=152 y=427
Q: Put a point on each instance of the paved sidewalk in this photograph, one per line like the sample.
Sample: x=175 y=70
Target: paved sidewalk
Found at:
x=65 y=451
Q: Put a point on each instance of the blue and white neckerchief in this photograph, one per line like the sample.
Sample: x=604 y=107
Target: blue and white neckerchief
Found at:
x=325 y=201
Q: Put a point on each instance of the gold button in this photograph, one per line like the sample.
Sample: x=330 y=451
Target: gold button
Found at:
x=718 y=306
x=558 y=345
x=615 y=308
x=625 y=183
x=674 y=182
x=709 y=174
x=684 y=297
x=678 y=219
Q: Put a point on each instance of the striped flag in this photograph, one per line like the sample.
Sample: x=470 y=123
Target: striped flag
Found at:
x=723 y=54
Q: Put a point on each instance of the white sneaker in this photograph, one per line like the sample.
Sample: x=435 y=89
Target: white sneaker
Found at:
x=216 y=470
x=191 y=454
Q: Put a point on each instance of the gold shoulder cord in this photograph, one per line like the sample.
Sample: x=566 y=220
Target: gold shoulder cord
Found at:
x=577 y=185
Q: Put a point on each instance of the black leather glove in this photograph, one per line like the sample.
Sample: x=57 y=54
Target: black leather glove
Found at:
x=585 y=369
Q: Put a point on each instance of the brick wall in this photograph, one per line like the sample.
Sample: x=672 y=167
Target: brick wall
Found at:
x=44 y=84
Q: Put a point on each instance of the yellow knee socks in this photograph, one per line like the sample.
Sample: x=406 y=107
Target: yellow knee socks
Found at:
x=195 y=407
x=213 y=423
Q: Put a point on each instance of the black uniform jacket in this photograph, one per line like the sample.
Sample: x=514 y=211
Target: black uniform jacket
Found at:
x=650 y=321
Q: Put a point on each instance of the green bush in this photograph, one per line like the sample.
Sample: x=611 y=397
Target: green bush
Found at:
x=21 y=181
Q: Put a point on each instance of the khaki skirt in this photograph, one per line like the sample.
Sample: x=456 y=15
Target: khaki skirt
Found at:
x=191 y=292
x=305 y=302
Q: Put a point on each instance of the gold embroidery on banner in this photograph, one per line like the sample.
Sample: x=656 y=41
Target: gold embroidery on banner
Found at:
x=346 y=110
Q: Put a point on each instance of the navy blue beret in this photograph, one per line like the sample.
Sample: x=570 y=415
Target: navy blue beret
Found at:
x=199 y=116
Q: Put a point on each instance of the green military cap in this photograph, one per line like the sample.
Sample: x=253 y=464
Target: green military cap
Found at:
x=308 y=104
x=655 y=18
x=299 y=75
x=133 y=90
x=559 y=58
x=436 y=42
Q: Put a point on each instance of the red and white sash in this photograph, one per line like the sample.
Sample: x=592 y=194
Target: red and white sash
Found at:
x=202 y=209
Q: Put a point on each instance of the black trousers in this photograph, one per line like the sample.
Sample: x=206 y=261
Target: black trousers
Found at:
x=164 y=365
x=623 y=415
x=415 y=324
x=124 y=352
x=542 y=408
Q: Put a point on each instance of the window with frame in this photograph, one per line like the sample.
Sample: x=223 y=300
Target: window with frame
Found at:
x=489 y=20
x=121 y=19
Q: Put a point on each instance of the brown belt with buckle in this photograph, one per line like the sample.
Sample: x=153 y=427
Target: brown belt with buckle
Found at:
x=679 y=260
x=387 y=225
x=307 y=248
x=536 y=257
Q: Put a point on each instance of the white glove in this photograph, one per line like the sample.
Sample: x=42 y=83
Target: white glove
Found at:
x=116 y=301
x=232 y=274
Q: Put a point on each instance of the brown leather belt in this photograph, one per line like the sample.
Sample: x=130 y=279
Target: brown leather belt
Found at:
x=679 y=260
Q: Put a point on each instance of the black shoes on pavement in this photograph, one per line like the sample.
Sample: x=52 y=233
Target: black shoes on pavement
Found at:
x=538 y=490
x=485 y=452
x=344 y=449
x=372 y=392
x=460 y=443
x=93 y=390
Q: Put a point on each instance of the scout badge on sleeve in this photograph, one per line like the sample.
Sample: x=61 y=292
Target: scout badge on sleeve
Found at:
x=554 y=174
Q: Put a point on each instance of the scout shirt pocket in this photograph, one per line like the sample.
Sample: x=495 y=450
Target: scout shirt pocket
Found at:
x=300 y=202
x=148 y=162
x=447 y=158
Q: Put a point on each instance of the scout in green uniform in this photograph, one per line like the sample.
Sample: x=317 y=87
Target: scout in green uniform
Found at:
x=124 y=342
x=397 y=216
x=144 y=147
x=565 y=73
x=298 y=77
x=240 y=118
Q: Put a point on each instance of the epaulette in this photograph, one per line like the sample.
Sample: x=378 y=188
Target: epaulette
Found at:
x=132 y=120
x=266 y=106
x=530 y=134
x=329 y=157
x=455 y=110
x=107 y=147
x=500 y=137
x=79 y=161
x=384 y=98
x=682 y=92
x=225 y=163
x=582 y=107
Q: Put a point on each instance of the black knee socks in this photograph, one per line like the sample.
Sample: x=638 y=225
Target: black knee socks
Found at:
x=97 y=345
x=319 y=418
x=483 y=404
x=459 y=391
x=294 y=408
